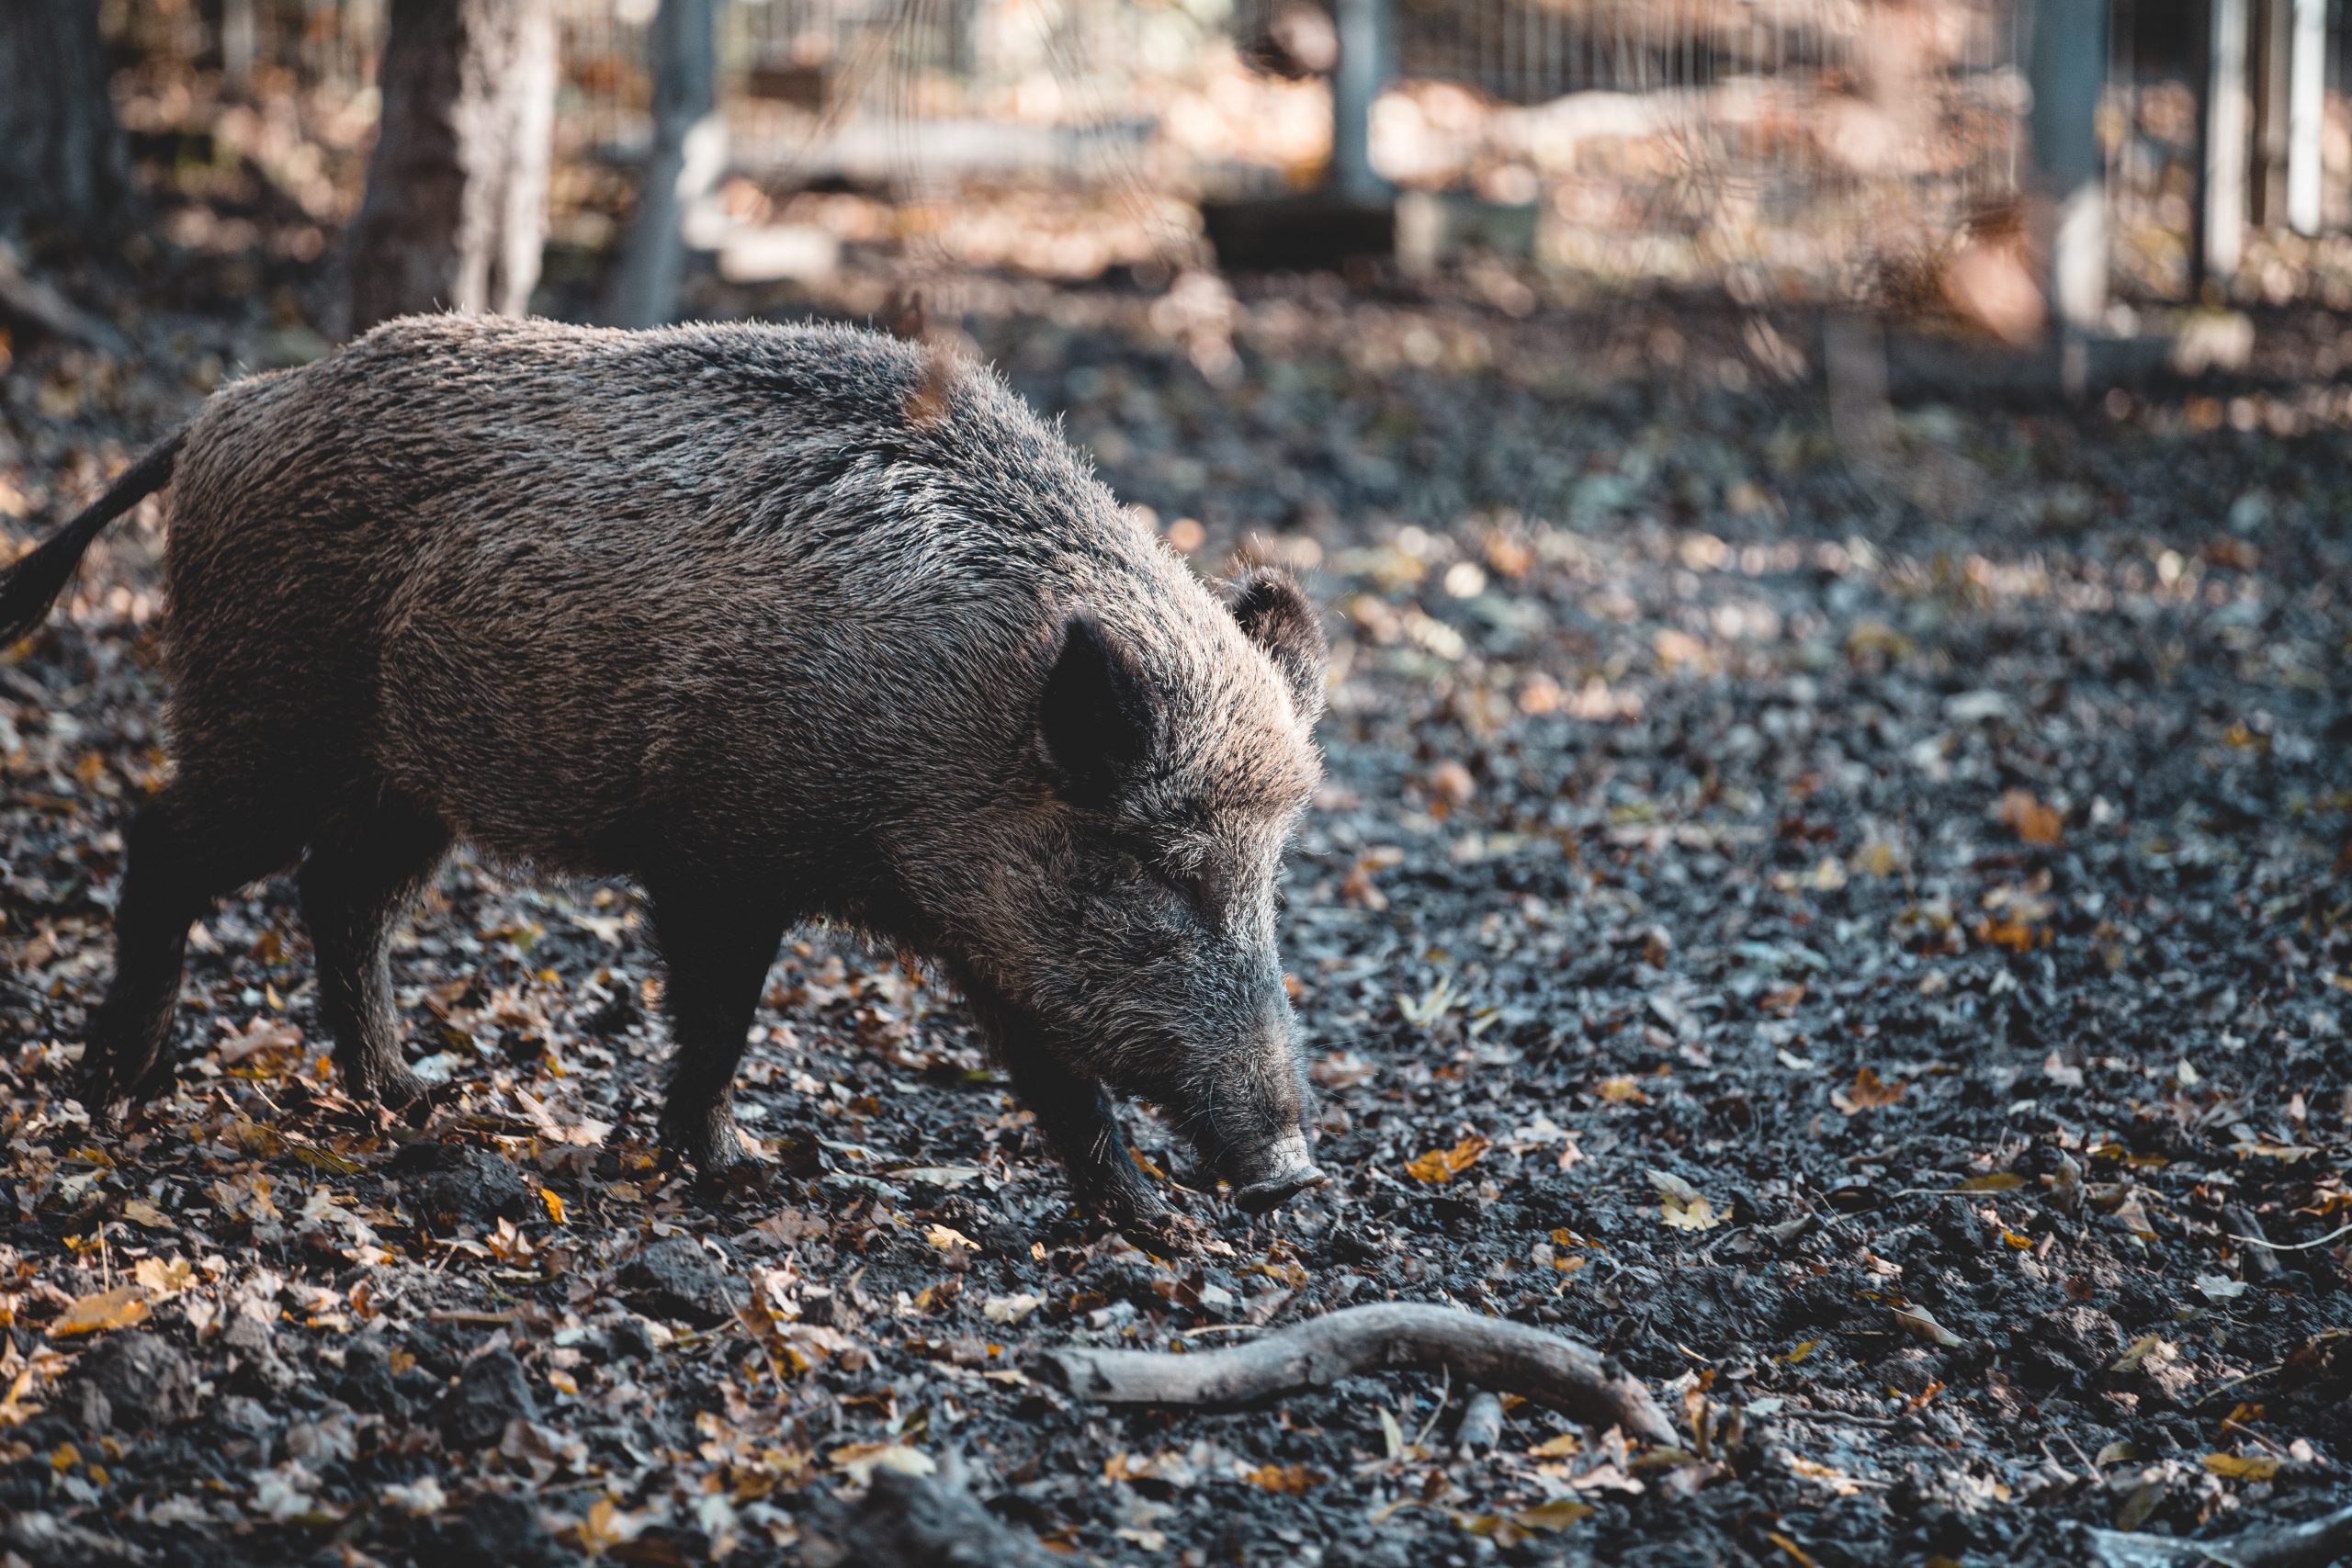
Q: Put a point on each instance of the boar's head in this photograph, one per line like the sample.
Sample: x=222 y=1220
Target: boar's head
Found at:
x=1131 y=903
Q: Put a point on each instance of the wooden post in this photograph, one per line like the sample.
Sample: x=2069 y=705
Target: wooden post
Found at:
x=2066 y=60
x=1364 y=71
x=2306 y=95
x=2220 y=208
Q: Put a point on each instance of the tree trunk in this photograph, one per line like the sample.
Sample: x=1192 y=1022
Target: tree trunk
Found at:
x=62 y=159
x=689 y=151
x=457 y=191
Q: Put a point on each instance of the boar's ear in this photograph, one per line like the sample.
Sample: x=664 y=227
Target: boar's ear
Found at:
x=1278 y=618
x=1095 y=716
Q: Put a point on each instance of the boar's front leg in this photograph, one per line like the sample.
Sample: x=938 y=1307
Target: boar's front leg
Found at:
x=718 y=945
x=360 y=875
x=1083 y=1128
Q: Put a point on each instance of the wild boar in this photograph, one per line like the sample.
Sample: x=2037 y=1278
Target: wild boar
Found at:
x=780 y=622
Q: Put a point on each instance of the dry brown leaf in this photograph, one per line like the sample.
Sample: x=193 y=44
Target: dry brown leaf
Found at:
x=1867 y=1092
x=2030 y=820
x=117 y=1308
x=1441 y=1166
x=1683 y=1206
x=1291 y=1479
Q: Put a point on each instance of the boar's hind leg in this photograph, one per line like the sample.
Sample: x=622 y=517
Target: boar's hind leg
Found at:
x=717 y=947
x=361 y=873
x=178 y=858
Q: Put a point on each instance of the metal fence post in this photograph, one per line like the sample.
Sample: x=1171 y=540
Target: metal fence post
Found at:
x=1365 y=34
x=2222 y=206
x=2066 y=62
x=2306 y=93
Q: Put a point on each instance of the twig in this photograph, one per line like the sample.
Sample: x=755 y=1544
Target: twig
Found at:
x=2311 y=1544
x=475 y=1319
x=1807 y=1413
x=2258 y=1239
x=1492 y=1352
x=1482 y=1424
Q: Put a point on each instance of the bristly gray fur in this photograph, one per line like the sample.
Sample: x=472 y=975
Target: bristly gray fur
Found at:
x=780 y=621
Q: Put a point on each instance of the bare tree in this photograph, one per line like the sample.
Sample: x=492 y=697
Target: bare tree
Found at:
x=456 y=210
x=689 y=150
x=61 y=158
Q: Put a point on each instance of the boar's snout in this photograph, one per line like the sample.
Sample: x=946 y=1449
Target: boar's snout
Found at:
x=1282 y=1174
x=1252 y=1135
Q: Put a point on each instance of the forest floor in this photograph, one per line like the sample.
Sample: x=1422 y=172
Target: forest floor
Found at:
x=1842 y=908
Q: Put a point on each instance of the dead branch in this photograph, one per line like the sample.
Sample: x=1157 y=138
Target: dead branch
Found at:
x=2311 y=1544
x=1493 y=1352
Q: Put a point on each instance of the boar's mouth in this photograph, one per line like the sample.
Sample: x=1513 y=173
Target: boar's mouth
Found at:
x=1280 y=1172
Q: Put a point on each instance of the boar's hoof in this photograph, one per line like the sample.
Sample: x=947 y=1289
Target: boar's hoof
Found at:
x=736 y=1179
x=401 y=1092
x=1164 y=1231
x=1260 y=1197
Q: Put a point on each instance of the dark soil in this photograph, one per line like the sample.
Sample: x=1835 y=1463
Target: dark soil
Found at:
x=1856 y=900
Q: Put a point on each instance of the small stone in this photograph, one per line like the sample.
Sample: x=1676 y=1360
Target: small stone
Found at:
x=676 y=1279
x=499 y=1530
x=135 y=1380
x=448 y=1185
x=488 y=1393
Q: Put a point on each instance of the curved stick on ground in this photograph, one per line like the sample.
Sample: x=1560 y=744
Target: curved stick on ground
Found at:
x=2314 y=1543
x=1490 y=1351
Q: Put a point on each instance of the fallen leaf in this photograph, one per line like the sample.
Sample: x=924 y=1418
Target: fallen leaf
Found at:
x=1921 y=1321
x=1622 y=1088
x=2147 y=1348
x=1867 y=1092
x=860 y=1461
x=140 y=1211
x=2030 y=819
x=1289 y=1478
x=1683 y=1206
x=2244 y=1467
x=1995 y=1182
x=1441 y=1166
x=117 y=1308
x=947 y=1239
x=1008 y=1309
x=161 y=1280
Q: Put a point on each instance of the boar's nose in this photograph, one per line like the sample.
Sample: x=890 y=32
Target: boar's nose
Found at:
x=1281 y=1173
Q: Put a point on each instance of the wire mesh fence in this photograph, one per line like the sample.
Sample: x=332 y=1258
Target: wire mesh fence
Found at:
x=1665 y=137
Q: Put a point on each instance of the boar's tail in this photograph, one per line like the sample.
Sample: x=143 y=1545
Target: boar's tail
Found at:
x=29 y=586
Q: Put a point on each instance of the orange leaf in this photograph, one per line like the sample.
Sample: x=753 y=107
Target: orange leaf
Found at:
x=1292 y=1479
x=117 y=1308
x=1441 y=1166
x=2034 y=822
x=1867 y=1092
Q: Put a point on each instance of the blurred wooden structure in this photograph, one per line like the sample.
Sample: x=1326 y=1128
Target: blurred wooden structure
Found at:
x=1819 y=121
